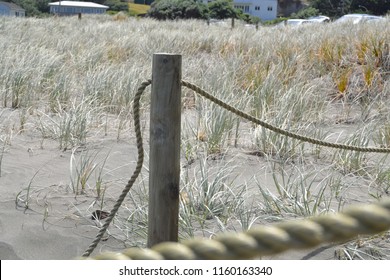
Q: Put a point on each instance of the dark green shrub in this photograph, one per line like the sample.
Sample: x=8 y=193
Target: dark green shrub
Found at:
x=178 y=9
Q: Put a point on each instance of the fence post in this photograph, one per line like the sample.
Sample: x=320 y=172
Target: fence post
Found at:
x=164 y=159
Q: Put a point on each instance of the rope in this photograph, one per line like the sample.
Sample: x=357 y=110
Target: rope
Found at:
x=137 y=170
x=279 y=130
x=268 y=240
x=241 y=242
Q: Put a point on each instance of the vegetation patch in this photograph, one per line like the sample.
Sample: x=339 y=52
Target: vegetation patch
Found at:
x=67 y=142
x=138 y=9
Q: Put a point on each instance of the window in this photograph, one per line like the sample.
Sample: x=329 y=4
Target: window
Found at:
x=257 y=8
x=242 y=8
x=270 y=8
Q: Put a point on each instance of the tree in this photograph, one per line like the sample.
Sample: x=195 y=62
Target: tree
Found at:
x=306 y=13
x=144 y=2
x=43 y=5
x=335 y=8
x=178 y=9
x=29 y=5
x=332 y=8
x=196 y=10
x=376 y=7
x=221 y=9
x=116 y=5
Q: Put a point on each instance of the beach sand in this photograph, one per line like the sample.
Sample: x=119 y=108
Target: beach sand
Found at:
x=56 y=224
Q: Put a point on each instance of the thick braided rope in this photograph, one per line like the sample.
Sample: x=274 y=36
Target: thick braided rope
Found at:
x=137 y=170
x=268 y=240
x=279 y=130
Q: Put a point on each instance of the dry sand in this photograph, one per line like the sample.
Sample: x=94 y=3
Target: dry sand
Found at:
x=58 y=224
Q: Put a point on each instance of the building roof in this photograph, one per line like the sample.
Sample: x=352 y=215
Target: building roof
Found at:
x=12 y=6
x=78 y=4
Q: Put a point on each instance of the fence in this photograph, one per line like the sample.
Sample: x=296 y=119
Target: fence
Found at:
x=164 y=180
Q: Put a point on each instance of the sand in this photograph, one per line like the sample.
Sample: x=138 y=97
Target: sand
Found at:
x=57 y=224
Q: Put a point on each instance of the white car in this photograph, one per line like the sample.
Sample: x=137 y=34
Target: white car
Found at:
x=358 y=18
x=296 y=22
x=293 y=22
x=319 y=19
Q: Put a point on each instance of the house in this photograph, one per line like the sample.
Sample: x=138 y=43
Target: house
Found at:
x=143 y=2
x=264 y=9
x=11 y=9
x=76 y=7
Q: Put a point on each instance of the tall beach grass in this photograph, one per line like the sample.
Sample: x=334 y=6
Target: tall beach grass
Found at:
x=74 y=81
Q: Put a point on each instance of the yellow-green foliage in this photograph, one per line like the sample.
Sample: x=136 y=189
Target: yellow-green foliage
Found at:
x=341 y=80
x=138 y=9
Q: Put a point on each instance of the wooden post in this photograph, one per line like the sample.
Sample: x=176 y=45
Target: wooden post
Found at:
x=164 y=163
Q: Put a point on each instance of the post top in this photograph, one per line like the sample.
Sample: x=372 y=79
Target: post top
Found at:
x=167 y=54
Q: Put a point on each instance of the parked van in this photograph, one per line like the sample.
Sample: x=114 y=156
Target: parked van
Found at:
x=358 y=18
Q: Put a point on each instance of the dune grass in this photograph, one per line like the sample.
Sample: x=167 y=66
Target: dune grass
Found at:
x=74 y=82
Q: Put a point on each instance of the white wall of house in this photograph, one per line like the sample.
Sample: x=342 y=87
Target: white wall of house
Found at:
x=76 y=7
x=264 y=9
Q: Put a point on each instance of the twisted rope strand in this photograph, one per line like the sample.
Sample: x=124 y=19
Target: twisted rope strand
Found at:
x=268 y=240
x=137 y=170
x=279 y=130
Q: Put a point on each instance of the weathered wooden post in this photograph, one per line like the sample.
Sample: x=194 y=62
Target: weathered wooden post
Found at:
x=164 y=164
